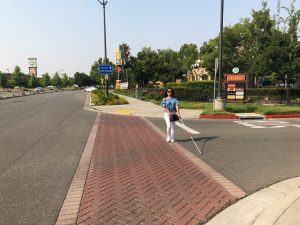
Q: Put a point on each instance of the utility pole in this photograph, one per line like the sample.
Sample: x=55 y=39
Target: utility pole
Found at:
x=221 y=50
x=219 y=103
x=104 y=3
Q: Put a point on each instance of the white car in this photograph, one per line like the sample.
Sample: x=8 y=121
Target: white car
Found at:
x=88 y=89
x=39 y=90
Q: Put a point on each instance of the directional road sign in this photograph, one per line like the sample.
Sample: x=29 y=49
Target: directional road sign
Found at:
x=106 y=69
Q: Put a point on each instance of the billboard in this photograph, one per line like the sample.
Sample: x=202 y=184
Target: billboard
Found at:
x=32 y=62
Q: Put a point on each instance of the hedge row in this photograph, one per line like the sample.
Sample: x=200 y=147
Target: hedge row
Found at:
x=182 y=93
x=205 y=94
x=193 y=84
x=273 y=94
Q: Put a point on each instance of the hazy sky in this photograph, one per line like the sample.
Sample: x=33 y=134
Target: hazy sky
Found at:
x=67 y=35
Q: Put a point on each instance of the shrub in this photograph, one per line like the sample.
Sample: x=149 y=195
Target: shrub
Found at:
x=130 y=93
x=193 y=84
x=156 y=95
x=98 y=98
x=271 y=94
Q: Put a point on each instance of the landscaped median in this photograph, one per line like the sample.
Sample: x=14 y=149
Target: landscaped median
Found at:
x=269 y=111
x=98 y=98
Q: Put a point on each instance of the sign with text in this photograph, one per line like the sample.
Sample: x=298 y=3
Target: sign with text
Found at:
x=235 y=77
x=106 y=69
x=235 y=87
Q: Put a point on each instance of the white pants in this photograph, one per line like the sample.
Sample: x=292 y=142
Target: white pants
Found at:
x=170 y=127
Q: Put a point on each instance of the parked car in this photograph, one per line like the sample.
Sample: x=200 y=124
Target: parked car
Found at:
x=39 y=90
x=88 y=89
x=51 y=87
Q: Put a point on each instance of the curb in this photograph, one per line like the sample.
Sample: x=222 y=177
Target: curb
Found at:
x=69 y=211
x=282 y=116
x=264 y=207
x=276 y=116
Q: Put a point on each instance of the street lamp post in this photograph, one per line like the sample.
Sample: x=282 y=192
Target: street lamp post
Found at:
x=221 y=49
x=219 y=102
x=104 y=3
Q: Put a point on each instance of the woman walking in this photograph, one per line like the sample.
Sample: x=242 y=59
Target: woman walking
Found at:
x=170 y=106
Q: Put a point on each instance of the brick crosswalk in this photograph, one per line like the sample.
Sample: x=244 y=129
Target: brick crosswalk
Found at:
x=135 y=177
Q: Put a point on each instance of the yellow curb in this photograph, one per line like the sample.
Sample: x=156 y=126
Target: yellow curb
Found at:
x=124 y=111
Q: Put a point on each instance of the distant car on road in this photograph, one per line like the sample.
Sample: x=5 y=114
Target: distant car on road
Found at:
x=39 y=90
x=88 y=89
x=51 y=87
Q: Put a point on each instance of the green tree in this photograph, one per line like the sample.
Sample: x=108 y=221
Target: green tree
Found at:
x=94 y=73
x=3 y=80
x=233 y=49
x=145 y=66
x=18 y=78
x=45 y=80
x=168 y=68
x=65 y=80
x=188 y=54
x=32 y=82
x=56 y=80
x=293 y=49
x=81 y=79
x=96 y=76
x=257 y=41
x=71 y=81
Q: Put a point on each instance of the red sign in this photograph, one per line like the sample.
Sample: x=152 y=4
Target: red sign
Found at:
x=119 y=69
x=232 y=77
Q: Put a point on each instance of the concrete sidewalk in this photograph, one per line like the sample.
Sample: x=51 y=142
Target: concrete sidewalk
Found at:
x=278 y=204
x=135 y=177
x=138 y=107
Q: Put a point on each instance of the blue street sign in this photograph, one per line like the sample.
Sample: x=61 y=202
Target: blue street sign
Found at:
x=106 y=69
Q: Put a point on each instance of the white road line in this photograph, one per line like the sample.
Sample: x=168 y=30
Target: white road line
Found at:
x=190 y=130
x=277 y=126
x=294 y=125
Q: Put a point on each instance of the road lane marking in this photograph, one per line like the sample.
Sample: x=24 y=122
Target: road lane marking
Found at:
x=188 y=129
x=277 y=126
x=267 y=124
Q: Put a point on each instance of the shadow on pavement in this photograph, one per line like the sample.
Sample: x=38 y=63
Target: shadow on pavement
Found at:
x=196 y=139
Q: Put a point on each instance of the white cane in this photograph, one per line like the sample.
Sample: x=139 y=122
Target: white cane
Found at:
x=190 y=136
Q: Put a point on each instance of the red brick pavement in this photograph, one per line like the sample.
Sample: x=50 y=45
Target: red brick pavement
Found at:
x=135 y=177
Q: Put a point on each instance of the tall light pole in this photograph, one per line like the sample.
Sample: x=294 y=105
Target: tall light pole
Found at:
x=221 y=49
x=104 y=3
x=219 y=102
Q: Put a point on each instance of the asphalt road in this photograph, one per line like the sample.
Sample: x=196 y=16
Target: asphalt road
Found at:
x=42 y=138
x=252 y=154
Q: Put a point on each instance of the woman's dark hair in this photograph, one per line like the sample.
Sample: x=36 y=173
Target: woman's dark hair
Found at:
x=166 y=92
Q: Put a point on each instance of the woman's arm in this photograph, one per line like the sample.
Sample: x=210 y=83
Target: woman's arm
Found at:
x=177 y=110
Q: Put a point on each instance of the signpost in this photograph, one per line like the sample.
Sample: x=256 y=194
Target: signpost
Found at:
x=235 y=87
x=216 y=70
